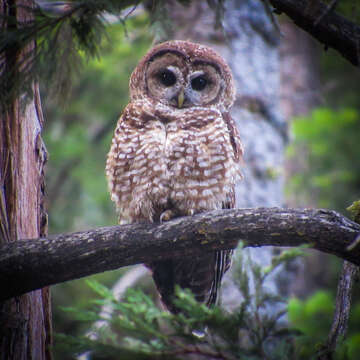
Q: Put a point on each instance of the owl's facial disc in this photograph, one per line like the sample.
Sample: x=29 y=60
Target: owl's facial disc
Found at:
x=165 y=84
x=204 y=85
x=176 y=82
x=164 y=78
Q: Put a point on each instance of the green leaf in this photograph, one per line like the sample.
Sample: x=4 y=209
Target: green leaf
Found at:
x=100 y=289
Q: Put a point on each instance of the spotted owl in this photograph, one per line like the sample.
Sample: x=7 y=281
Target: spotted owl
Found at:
x=175 y=152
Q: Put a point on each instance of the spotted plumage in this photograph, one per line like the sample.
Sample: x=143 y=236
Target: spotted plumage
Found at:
x=176 y=152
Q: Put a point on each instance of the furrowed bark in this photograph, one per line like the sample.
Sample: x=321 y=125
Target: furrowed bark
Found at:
x=25 y=332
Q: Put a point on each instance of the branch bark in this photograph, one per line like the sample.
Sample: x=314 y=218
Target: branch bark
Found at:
x=326 y=26
x=32 y=264
x=348 y=276
x=342 y=311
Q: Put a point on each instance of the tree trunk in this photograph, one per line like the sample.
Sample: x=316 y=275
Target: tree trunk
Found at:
x=300 y=93
x=25 y=331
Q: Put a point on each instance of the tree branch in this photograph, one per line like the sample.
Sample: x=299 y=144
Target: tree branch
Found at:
x=32 y=264
x=323 y=24
x=342 y=311
x=348 y=276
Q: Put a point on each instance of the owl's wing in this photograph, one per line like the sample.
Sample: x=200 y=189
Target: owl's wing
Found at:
x=222 y=257
x=117 y=163
x=234 y=138
x=222 y=265
x=123 y=165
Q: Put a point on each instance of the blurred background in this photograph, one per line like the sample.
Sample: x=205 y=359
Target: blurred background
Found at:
x=312 y=96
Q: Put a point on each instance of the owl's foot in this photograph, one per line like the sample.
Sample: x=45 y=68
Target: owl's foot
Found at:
x=171 y=214
x=167 y=215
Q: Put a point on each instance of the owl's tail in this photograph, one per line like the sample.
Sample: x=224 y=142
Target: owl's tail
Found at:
x=201 y=274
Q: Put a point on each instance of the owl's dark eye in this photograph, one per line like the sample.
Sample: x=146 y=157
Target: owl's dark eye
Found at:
x=167 y=77
x=199 y=83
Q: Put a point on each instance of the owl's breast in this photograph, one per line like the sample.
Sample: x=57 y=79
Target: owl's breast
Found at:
x=201 y=168
x=185 y=163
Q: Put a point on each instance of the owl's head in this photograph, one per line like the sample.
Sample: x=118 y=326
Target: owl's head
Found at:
x=182 y=74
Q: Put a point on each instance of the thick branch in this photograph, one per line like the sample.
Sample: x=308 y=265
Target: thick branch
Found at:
x=31 y=264
x=326 y=26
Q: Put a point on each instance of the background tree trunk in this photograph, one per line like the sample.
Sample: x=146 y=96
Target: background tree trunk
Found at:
x=249 y=41
x=300 y=89
x=25 y=331
x=301 y=92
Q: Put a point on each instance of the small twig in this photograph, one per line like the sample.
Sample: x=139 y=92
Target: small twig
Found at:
x=131 y=11
x=328 y=9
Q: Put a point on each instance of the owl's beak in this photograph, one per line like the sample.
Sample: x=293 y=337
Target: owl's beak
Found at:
x=180 y=99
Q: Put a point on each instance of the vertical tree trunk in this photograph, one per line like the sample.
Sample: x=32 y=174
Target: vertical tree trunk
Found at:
x=249 y=42
x=300 y=83
x=25 y=331
x=300 y=89
x=300 y=93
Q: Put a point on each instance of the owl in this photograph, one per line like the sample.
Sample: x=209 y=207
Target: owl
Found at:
x=176 y=152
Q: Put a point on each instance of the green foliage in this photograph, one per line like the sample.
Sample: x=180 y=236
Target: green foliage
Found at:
x=78 y=136
x=330 y=140
x=77 y=293
x=136 y=329
x=348 y=8
x=354 y=210
x=327 y=148
x=353 y=338
x=75 y=31
x=55 y=39
x=312 y=317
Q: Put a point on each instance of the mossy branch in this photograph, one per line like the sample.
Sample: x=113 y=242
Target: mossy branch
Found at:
x=27 y=265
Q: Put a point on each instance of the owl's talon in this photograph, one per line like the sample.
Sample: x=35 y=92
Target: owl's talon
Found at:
x=190 y=212
x=166 y=215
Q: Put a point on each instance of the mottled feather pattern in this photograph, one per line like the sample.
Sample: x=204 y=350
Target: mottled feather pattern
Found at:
x=189 y=162
x=172 y=157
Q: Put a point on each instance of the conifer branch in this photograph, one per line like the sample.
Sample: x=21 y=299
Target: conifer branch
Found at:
x=26 y=265
x=325 y=25
x=63 y=31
